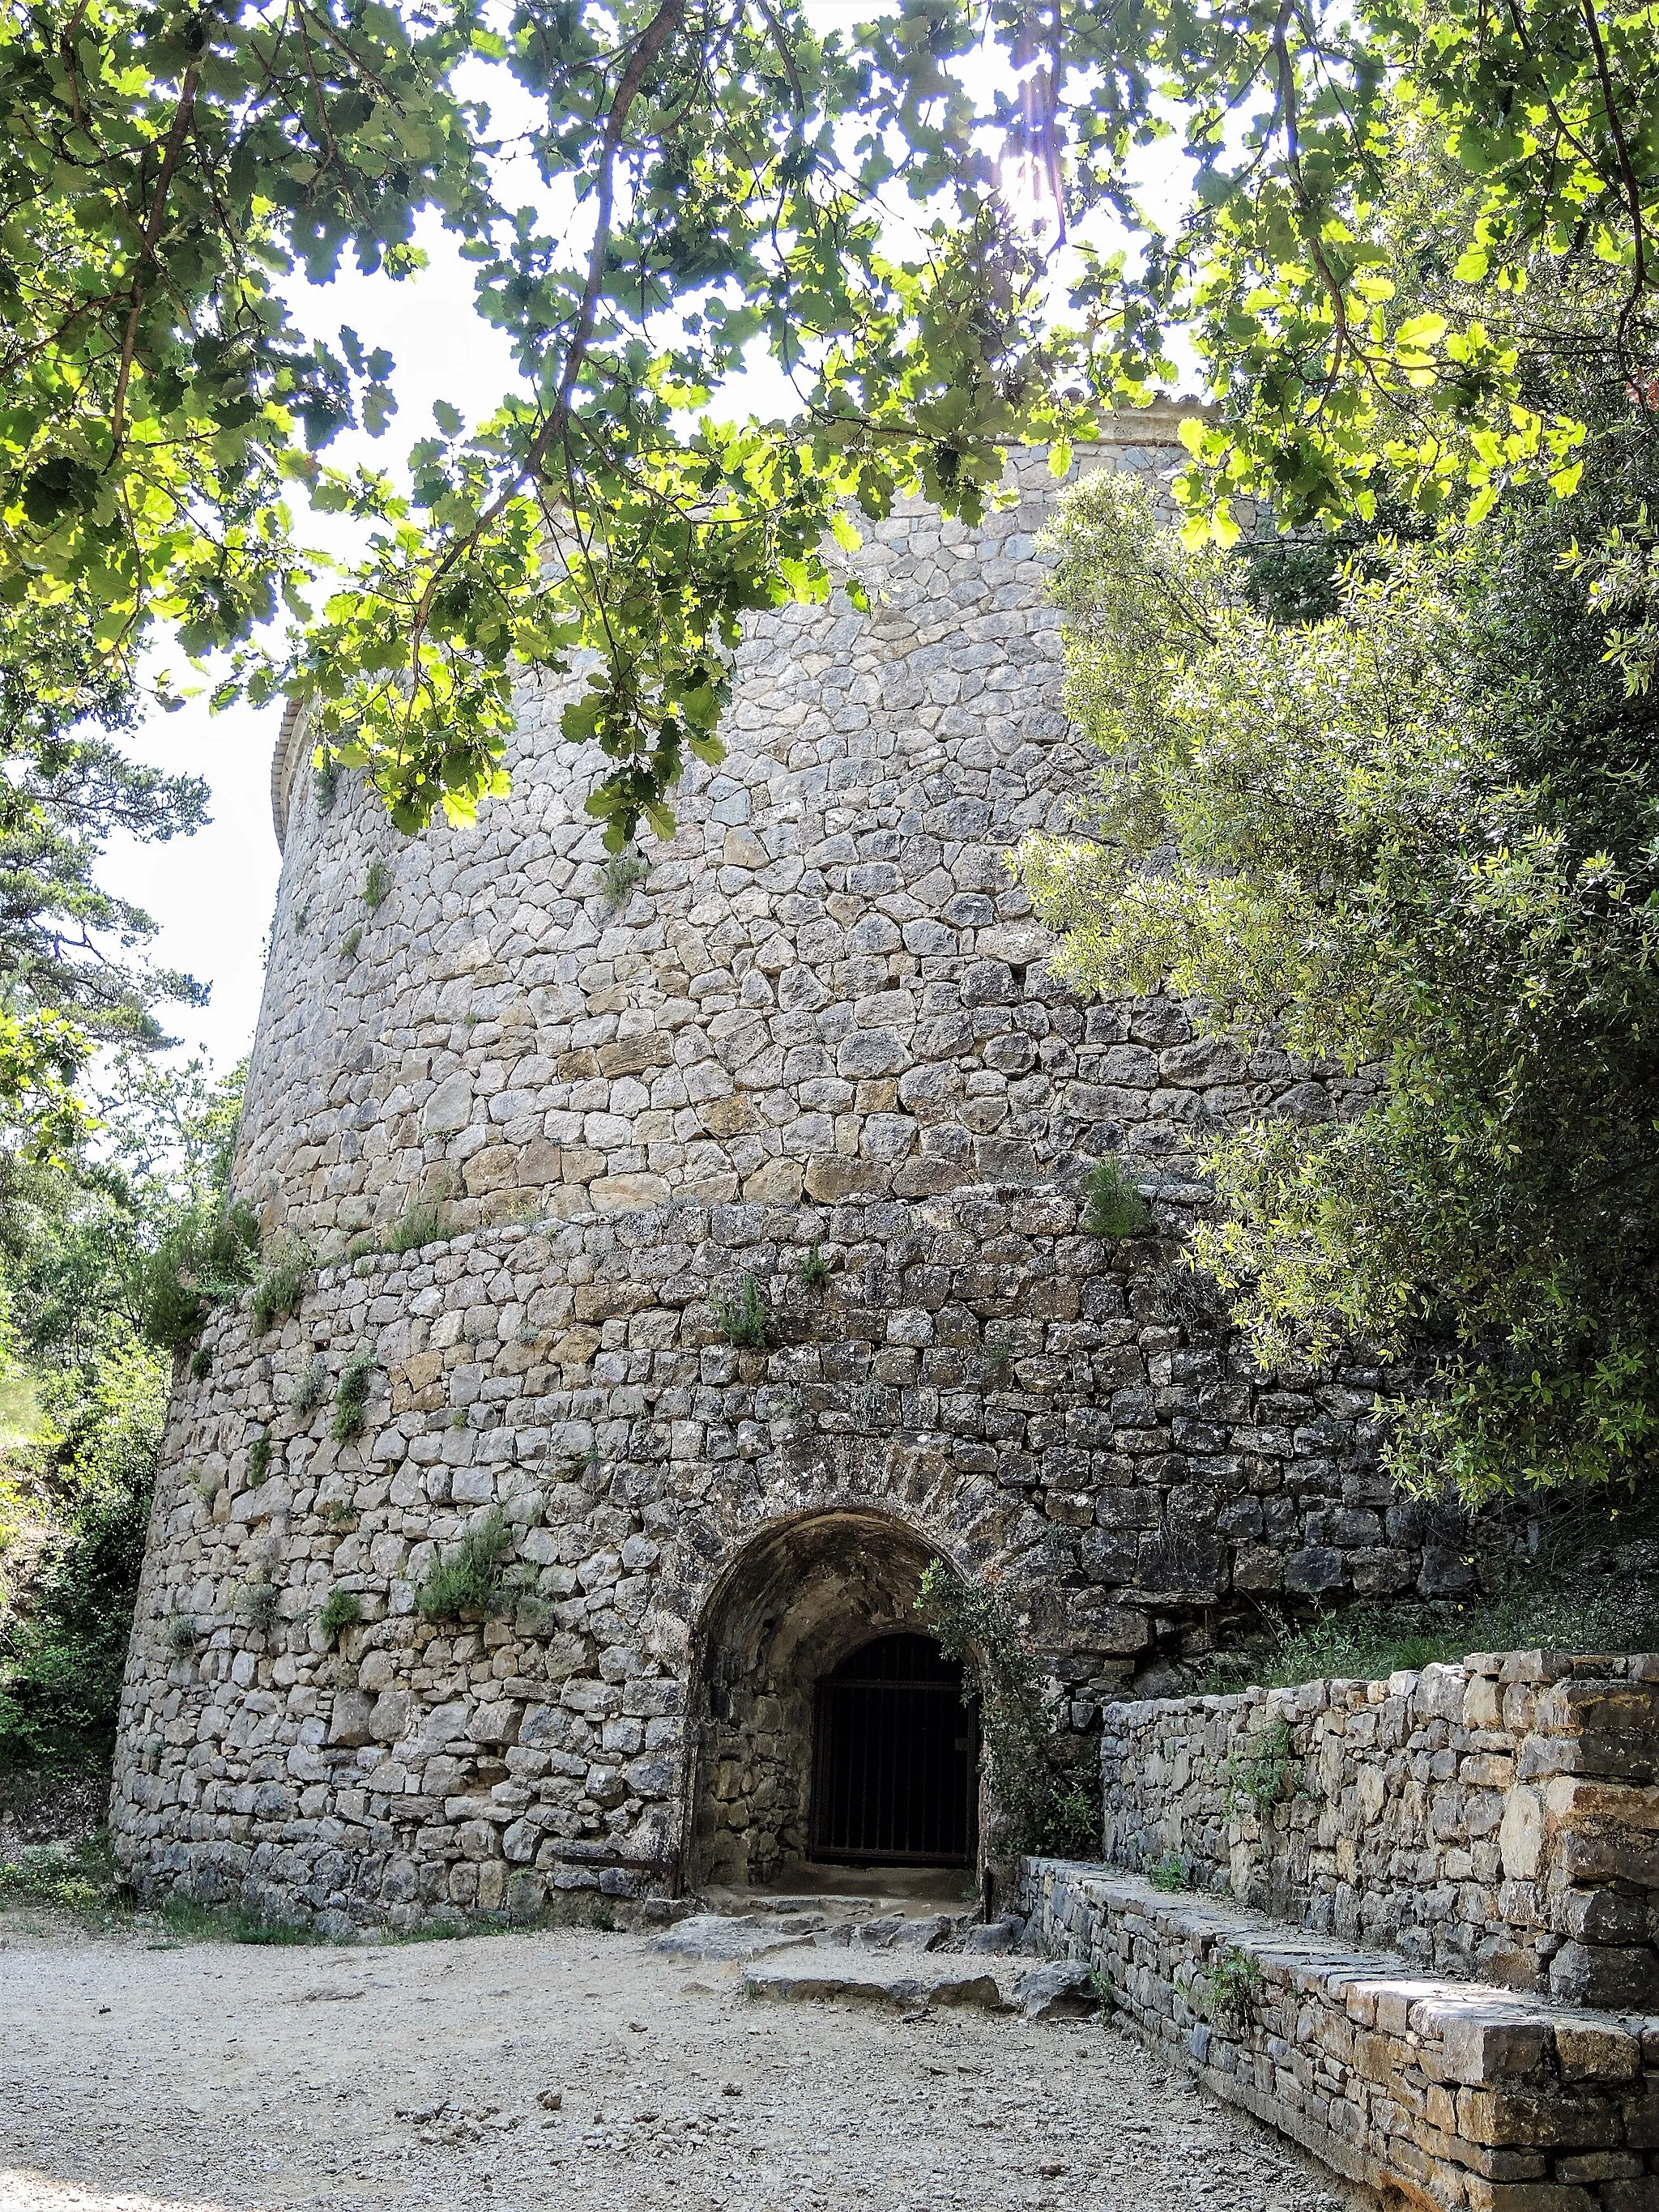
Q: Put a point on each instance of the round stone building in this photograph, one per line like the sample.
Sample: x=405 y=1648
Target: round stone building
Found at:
x=699 y=1235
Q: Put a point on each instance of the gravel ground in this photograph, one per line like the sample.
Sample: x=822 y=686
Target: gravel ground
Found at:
x=136 y=2074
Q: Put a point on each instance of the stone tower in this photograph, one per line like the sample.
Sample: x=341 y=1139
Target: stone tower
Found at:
x=538 y=1116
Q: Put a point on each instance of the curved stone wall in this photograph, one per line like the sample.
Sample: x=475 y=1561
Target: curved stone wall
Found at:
x=826 y=986
x=818 y=1024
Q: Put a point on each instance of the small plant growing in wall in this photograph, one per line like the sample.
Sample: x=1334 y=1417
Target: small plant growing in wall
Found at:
x=326 y=783
x=258 y=1460
x=201 y=1364
x=1227 y=1993
x=813 y=1269
x=468 y=1577
x=352 y=1396
x=338 y=1511
x=310 y=1387
x=1043 y=1805
x=258 y=1604
x=181 y=1635
x=623 y=874
x=999 y=1364
x=1114 y=1207
x=1261 y=1773
x=1170 y=1873
x=351 y=941
x=422 y=1223
x=745 y=1320
x=377 y=885
x=279 y=1289
x=340 y=1609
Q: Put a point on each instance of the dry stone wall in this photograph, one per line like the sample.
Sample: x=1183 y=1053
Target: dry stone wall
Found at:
x=819 y=1019
x=1494 y=1820
x=1441 y=2096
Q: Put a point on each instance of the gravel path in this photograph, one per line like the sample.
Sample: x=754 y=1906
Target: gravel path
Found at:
x=137 y=2074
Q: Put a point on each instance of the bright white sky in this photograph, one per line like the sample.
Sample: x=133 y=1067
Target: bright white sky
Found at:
x=213 y=894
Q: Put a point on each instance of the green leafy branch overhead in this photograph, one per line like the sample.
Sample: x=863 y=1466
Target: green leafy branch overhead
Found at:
x=721 y=181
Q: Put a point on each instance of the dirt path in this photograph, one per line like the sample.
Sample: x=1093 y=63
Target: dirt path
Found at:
x=137 y=2076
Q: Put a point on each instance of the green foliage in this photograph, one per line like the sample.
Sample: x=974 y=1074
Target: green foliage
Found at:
x=351 y=1396
x=201 y=1364
x=1115 y=1207
x=258 y=1459
x=812 y=1269
x=1261 y=1772
x=181 y=1635
x=1227 y=1990
x=258 y=1602
x=62 y=1650
x=623 y=873
x=468 y=1577
x=747 y=1319
x=1042 y=1804
x=207 y=1258
x=377 y=885
x=310 y=1387
x=73 y=1878
x=340 y=1609
x=1170 y=1872
x=421 y=1223
x=351 y=941
x=68 y=978
x=281 y=1287
x=1414 y=836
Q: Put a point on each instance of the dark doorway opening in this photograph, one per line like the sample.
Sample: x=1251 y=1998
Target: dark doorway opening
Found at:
x=894 y=1758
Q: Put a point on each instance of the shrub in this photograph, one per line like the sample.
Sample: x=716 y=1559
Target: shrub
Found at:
x=280 y=1289
x=72 y=1877
x=422 y=1223
x=181 y=1635
x=325 y=782
x=467 y=1577
x=208 y=1258
x=352 y=1396
x=1042 y=1804
x=310 y=1386
x=340 y=1609
x=62 y=1662
x=746 y=1319
x=351 y=941
x=813 y=1269
x=376 y=885
x=1170 y=1873
x=201 y=1364
x=1115 y=1207
x=258 y=1460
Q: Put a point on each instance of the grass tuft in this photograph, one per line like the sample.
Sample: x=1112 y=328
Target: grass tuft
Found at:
x=746 y=1319
x=281 y=1287
x=467 y=1577
x=340 y=1610
x=1115 y=1207
x=352 y=1396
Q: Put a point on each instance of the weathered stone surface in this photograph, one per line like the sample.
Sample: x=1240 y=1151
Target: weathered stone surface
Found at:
x=874 y=1977
x=1061 y=1990
x=1401 y=1821
x=818 y=1023
x=1360 y=2060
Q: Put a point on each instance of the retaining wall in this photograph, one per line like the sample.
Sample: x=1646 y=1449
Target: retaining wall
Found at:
x=1436 y=2093
x=1496 y=1818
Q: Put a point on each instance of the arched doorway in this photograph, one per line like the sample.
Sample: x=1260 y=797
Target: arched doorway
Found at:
x=796 y=1755
x=894 y=1758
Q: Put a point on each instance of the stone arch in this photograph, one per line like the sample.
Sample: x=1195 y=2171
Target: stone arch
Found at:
x=798 y=1598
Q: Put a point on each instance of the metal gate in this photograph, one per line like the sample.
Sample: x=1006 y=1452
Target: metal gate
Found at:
x=894 y=1758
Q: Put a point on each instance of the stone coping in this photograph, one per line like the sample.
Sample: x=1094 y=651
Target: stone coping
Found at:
x=1442 y=2095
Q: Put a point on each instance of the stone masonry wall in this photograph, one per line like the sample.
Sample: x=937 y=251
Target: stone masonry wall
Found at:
x=1441 y=2097
x=1495 y=1820
x=819 y=1017
x=975 y=1381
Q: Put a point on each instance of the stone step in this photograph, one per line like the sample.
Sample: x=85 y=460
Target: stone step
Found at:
x=1438 y=2094
x=907 y=1980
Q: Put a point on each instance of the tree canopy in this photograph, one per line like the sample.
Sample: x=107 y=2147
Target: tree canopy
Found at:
x=716 y=179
